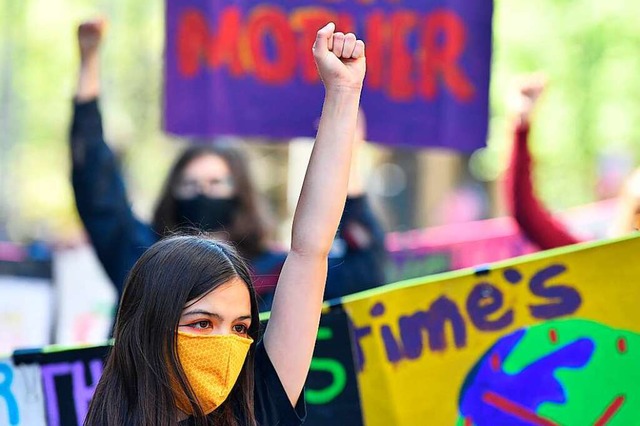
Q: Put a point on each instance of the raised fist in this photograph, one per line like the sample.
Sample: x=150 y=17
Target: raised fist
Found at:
x=89 y=37
x=529 y=89
x=340 y=59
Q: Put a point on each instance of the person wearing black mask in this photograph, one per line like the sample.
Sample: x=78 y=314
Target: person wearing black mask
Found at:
x=208 y=189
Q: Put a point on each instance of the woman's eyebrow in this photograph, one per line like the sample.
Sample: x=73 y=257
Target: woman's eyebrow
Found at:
x=201 y=312
x=214 y=315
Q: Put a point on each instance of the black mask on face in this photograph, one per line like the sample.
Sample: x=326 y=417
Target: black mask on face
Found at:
x=208 y=214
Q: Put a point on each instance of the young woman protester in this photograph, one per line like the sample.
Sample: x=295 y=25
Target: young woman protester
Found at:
x=209 y=187
x=187 y=344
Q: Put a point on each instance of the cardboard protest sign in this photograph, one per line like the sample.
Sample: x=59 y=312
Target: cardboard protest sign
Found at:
x=553 y=337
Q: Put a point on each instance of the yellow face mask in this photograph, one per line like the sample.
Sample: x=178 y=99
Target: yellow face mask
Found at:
x=212 y=365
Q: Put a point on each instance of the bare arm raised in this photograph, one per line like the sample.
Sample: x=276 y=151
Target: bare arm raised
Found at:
x=291 y=332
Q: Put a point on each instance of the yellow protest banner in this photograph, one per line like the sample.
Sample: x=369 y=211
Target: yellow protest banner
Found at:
x=547 y=339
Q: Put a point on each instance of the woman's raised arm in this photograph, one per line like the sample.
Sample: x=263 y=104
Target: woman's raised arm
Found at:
x=291 y=332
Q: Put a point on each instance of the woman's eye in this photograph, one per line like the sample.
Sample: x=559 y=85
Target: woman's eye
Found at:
x=240 y=329
x=201 y=324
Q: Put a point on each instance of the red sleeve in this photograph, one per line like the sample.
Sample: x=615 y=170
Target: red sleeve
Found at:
x=534 y=220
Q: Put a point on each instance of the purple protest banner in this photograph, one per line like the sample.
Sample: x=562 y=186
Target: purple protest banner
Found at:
x=239 y=67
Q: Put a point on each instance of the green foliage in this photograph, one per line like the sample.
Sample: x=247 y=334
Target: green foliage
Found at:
x=589 y=51
x=39 y=65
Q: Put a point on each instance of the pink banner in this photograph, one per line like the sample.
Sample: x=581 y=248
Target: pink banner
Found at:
x=463 y=245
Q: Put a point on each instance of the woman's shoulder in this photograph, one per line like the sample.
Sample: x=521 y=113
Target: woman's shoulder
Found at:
x=272 y=405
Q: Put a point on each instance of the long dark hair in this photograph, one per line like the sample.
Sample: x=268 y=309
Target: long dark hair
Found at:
x=135 y=387
x=250 y=229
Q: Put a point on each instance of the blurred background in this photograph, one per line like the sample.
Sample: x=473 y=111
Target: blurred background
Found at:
x=584 y=129
x=586 y=138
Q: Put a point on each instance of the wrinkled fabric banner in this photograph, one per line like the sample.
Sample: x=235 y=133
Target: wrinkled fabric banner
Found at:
x=245 y=68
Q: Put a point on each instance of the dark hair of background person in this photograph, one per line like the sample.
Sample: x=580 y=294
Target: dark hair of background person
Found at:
x=249 y=231
x=135 y=388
